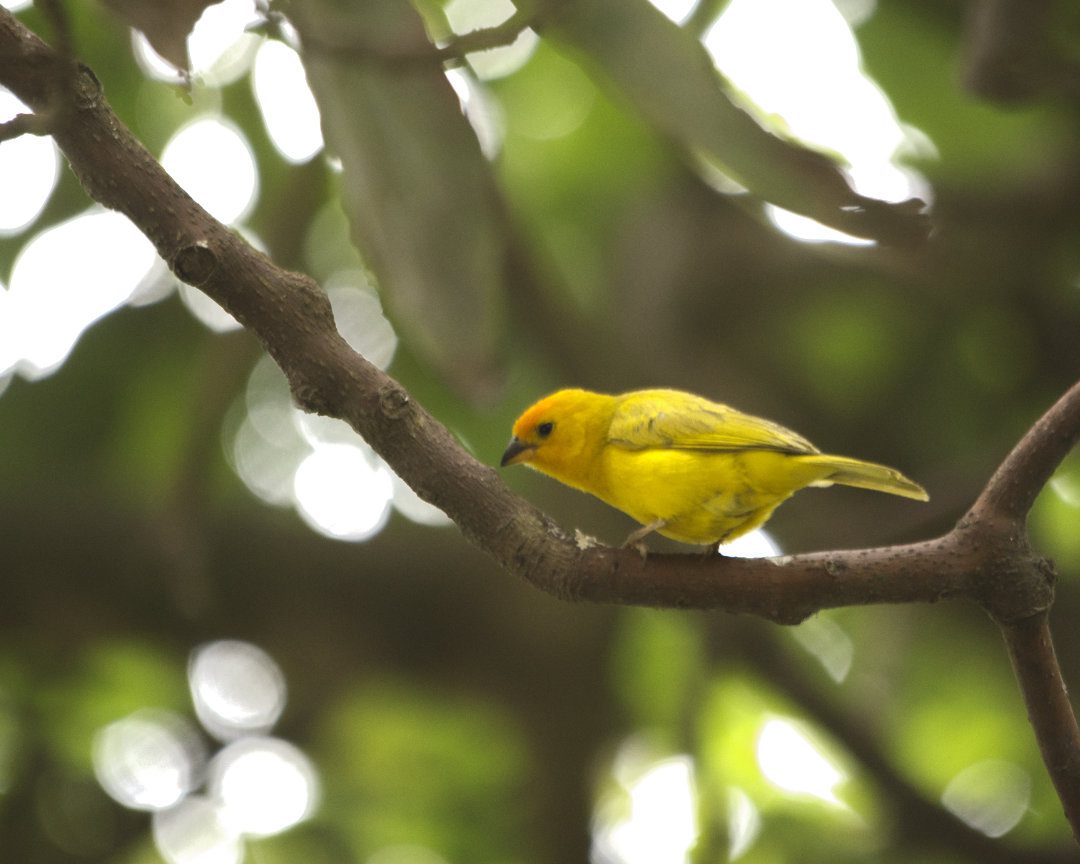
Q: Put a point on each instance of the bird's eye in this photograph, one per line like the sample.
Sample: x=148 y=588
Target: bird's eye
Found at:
x=544 y=429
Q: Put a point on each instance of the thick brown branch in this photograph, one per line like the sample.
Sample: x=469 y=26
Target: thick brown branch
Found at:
x=292 y=317
x=986 y=558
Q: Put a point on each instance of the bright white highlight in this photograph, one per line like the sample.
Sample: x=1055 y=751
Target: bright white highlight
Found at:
x=413 y=507
x=237 y=688
x=808 y=74
x=790 y=760
x=339 y=486
x=744 y=823
x=990 y=796
x=482 y=112
x=810 y=230
x=1066 y=488
x=286 y=102
x=206 y=310
x=465 y=16
x=759 y=543
x=213 y=162
x=825 y=639
x=662 y=825
x=15 y=5
x=64 y=279
x=343 y=491
x=29 y=167
x=267 y=446
x=148 y=760
x=220 y=49
x=359 y=316
x=192 y=832
x=676 y=10
x=265 y=786
x=152 y=64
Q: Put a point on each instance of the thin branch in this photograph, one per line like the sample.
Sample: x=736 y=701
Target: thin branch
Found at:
x=291 y=316
x=1018 y=480
x=486 y=38
x=453 y=49
x=918 y=821
x=986 y=558
x=24 y=124
x=1031 y=650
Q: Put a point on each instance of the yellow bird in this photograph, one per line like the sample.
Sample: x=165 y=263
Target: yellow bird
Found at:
x=692 y=470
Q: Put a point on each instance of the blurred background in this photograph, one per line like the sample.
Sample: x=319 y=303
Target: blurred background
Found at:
x=229 y=633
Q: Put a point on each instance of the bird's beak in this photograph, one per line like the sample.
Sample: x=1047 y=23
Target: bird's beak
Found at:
x=514 y=451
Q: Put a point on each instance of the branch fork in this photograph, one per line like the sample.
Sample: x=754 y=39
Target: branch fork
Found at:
x=986 y=558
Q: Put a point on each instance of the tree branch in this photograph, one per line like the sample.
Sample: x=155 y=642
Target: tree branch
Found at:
x=291 y=316
x=24 y=124
x=919 y=823
x=1031 y=650
x=1018 y=480
x=985 y=558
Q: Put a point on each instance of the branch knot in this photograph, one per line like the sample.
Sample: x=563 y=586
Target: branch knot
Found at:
x=195 y=263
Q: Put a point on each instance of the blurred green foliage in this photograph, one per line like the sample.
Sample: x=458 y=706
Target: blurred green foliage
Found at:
x=448 y=707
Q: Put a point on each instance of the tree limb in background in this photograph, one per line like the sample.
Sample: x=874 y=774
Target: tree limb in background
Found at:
x=986 y=558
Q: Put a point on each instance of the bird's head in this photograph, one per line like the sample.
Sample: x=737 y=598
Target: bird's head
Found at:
x=560 y=434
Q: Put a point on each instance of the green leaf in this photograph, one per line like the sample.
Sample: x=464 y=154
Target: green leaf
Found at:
x=420 y=196
x=669 y=78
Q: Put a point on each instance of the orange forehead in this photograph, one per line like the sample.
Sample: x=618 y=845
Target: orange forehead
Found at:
x=535 y=414
x=555 y=406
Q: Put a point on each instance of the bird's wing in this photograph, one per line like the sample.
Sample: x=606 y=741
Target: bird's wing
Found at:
x=681 y=421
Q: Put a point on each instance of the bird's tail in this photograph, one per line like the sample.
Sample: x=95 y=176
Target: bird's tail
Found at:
x=865 y=475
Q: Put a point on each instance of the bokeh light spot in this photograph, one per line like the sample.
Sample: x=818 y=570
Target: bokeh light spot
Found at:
x=220 y=47
x=482 y=112
x=214 y=164
x=206 y=310
x=265 y=786
x=810 y=230
x=991 y=796
x=744 y=823
x=676 y=10
x=559 y=97
x=758 y=543
x=237 y=688
x=359 y=317
x=148 y=760
x=414 y=508
x=193 y=832
x=465 y=16
x=63 y=280
x=662 y=821
x=286 y=102
x=824 y=638
x=790 y=760
x=343 y=491
x=807 y=76
x=29 y=167
x=152 y=64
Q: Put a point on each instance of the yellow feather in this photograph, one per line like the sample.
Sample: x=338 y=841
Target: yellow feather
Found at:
x=693 y=470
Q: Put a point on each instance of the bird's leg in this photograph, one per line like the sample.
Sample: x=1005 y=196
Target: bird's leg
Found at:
x=634 y=540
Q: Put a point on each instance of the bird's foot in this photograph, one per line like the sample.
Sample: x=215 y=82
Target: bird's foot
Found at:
x=636 y=538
